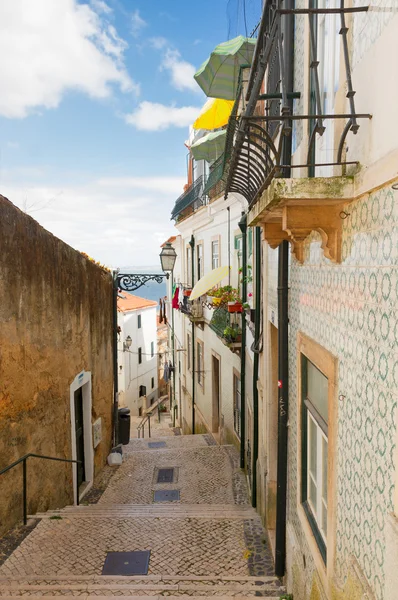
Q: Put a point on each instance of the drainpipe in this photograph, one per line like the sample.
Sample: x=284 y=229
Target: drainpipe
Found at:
x=173 y=400
x=192 y=244
x=115 y=372
x=283 y=323
x=256 y=361
x=229 y=245
x=243 y=228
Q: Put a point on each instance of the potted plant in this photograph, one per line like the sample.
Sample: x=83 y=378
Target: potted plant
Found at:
x=233 y=334
x=187 y=293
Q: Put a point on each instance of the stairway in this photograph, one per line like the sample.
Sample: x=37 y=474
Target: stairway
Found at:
x=198 y=549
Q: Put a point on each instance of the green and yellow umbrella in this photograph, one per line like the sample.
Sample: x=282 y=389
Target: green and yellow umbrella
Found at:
x=210 y=146
x=214 y=114
x=219 y=74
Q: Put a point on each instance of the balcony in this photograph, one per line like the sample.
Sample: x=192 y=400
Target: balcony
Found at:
x=215 y=185
x=263 y=129
x=228 y=327
x=193 y=310
x=191 y=200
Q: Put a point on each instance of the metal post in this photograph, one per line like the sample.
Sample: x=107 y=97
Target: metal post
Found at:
x=192 y=244
x=24 y=492
x=243 y=228
x=173 y=400
x=257 y=333
x=149 y=426
x=77 y=484
x=143 y=430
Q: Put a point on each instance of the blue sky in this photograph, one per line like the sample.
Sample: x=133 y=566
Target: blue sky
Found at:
x=99 y=96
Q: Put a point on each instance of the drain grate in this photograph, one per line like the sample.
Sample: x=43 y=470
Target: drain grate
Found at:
x=165 y=476
x=126 y=563
x=166 y=495
x=156 y=444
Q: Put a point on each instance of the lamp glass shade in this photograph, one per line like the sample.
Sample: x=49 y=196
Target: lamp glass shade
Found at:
x=168 y=257
x=128 y=342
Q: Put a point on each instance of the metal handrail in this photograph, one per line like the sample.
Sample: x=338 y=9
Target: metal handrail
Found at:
x=23 y=460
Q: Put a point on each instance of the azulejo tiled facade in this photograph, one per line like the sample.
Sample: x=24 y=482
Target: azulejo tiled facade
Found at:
x=350 y=309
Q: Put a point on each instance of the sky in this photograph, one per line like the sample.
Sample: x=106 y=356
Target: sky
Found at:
x=96 y=100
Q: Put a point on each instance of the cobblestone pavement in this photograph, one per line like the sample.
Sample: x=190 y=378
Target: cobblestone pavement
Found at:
x=163 y=428
x=204 y=547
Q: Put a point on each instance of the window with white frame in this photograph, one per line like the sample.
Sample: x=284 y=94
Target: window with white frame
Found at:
x=152 y=349
x=199 y=261
x=138 y=321
x=189 y=351
x=215 y=254
x=315 y=450
x=199 y=363
x=189 y=266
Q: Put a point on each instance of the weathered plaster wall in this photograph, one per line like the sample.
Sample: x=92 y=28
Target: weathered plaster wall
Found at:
x=350 y=310
x=55 y=321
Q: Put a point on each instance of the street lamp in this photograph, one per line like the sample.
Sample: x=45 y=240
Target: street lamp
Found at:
x=168 y=257
x=127 y=344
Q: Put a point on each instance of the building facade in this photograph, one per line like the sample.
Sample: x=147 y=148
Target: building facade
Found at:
x=327 y=190
x=137 y=352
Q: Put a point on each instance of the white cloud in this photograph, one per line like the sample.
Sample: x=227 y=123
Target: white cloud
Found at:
x=118 y=221
x=158 y=42
x=151 y=116
x=101 y=7
x=181 y=71
x=137 y=23
x=56 y=47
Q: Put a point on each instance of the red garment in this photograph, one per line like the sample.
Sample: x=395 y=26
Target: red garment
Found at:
x=174 y=302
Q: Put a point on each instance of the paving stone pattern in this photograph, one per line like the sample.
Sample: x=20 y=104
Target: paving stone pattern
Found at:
x=216 y=549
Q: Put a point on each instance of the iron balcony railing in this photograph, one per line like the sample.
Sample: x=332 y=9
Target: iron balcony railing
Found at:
x=227 y=325
x=192 y=199
x=194 y=309
x=215 y=184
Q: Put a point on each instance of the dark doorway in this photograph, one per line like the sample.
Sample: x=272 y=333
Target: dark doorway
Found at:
x=81 y=475
x=216 y=395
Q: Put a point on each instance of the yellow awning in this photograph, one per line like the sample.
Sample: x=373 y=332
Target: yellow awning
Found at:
x=208 y=281
x=214 y=114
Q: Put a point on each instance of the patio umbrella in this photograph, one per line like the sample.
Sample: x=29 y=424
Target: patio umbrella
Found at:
x=208 y=281
x=214 y=114
x=219 y=74
x=210 y=146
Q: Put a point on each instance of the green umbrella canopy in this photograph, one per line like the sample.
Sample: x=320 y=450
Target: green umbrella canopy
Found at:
x=210 y=146
x=218 y=76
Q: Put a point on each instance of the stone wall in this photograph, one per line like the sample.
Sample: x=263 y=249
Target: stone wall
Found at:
x=55 y=322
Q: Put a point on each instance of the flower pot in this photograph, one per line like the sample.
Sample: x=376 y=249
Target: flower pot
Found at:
x=187 y=293
x=216 y=301
x=234 y=307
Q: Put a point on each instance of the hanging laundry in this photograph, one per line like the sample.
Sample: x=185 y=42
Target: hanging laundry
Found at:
x=160 y=310
x=164 y=311
x=166 y=372
x=180 y=295
x=174 y=302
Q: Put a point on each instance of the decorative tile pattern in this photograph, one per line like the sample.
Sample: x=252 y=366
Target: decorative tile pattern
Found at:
x=351 y=310
x=367 y=27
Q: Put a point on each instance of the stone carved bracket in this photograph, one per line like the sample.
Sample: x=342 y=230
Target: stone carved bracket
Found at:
x=292 y=208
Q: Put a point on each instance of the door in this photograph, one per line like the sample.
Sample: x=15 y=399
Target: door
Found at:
x=79 y=435
x=216 y=395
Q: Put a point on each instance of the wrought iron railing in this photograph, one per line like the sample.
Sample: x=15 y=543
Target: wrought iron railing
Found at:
x=193 y=309
x=226 y=325
x=255 y=151
x=237 y=419
x=24 y=460
x=192 y=199
x=215 y=184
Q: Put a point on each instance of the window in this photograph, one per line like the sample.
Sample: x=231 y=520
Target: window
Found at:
x=152 y=382
x=139 y=321
x=189 y=267
x=215 y=254
x=139 y=356
x=315 y=450
x=189 y=351
x=199 y=258
x=199 y=362
x=237 y=404
x=152 y=349
x=142 y=390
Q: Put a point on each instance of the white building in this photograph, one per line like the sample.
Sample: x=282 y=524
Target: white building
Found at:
x=137 y=352
x=207 y=366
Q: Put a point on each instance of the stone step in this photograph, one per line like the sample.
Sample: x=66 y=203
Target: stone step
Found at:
x=166 y=510
x=127 y=596
x=172 y=585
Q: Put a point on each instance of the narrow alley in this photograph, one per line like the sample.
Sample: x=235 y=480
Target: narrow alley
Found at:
x=207 y=541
